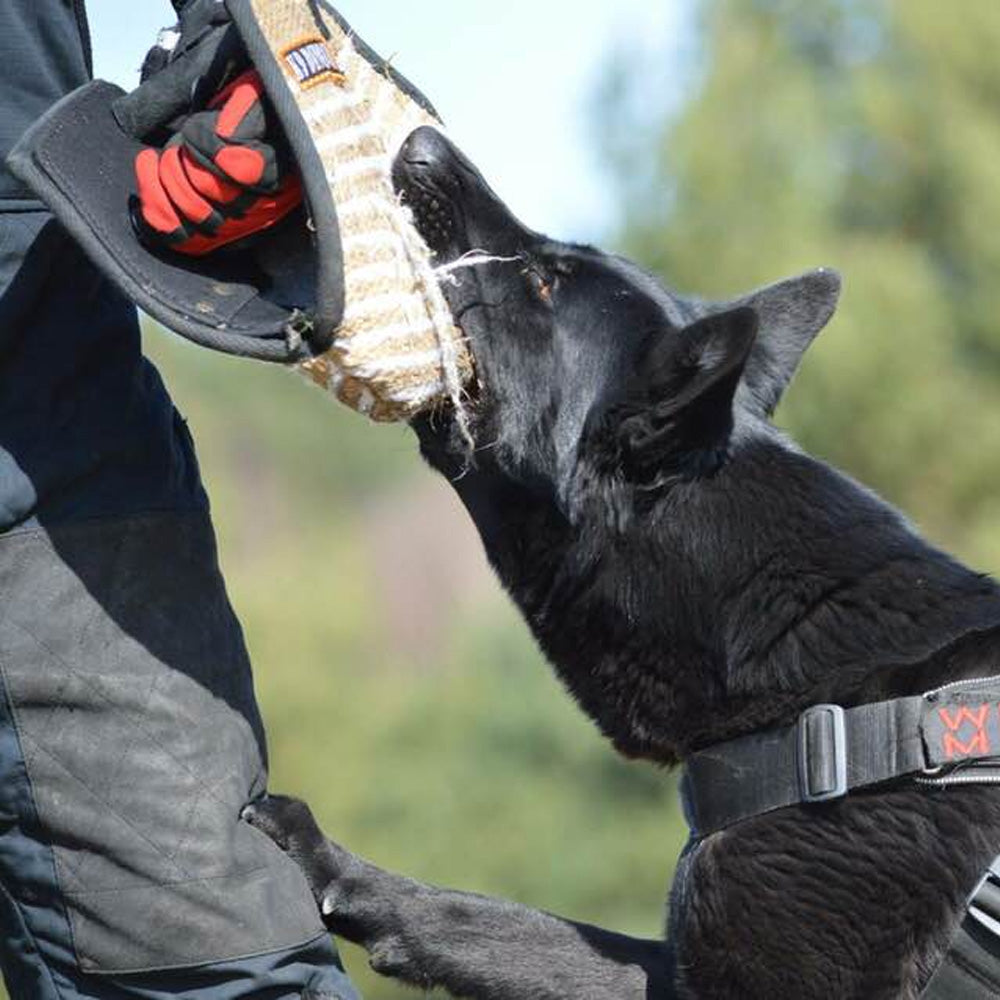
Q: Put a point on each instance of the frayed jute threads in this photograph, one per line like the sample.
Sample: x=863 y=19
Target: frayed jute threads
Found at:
x=446 y=272
x=398 y=351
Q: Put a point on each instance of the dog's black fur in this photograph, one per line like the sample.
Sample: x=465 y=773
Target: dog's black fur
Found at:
x=692 y=576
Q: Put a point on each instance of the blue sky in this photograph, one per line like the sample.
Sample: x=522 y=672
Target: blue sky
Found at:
x=513 y=84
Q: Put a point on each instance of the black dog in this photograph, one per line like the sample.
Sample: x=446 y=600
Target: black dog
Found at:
x=692 y=576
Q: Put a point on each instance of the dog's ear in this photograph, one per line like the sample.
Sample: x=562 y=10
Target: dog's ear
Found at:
x=792 y=314
x=680 y=401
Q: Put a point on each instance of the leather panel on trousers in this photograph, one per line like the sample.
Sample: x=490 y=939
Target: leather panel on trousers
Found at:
x=134 y=701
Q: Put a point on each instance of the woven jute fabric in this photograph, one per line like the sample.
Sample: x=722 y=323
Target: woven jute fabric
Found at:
x=398 y=350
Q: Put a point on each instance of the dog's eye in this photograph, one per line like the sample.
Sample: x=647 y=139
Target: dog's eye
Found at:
x=540 y=282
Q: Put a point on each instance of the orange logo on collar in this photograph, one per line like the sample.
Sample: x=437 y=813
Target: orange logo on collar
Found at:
x=968 y=723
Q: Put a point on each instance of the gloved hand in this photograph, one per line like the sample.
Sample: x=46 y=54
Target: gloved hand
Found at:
x=216 y=171
x=223 y=177
x=282 y=298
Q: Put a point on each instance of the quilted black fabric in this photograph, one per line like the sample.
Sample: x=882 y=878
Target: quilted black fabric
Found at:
x=134 y=703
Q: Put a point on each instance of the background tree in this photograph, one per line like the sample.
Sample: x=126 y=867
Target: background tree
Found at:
x=862 y=134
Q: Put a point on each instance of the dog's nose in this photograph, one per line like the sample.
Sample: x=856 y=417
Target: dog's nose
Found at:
x=425 y=160
x=426 y=147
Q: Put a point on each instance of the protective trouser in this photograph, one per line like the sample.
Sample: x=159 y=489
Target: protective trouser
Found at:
x=129 y=733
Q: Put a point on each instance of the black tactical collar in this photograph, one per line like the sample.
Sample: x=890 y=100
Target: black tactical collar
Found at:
x=948 y=736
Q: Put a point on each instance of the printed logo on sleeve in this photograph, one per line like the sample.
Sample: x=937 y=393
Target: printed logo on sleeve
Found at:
x=311 y=63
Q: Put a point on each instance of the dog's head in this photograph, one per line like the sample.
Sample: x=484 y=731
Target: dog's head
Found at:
x=584 y=358
x=605 y=402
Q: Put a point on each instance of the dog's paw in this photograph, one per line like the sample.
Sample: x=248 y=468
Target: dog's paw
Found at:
x=358 y=901
x=290 y=824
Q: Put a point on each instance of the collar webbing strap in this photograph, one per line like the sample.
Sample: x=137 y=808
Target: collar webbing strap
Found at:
x=832 y=751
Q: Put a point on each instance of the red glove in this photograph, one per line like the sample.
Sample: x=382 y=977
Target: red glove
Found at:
x=220 y=179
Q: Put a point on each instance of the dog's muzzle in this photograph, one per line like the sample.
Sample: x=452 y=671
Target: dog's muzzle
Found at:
x=424 y=175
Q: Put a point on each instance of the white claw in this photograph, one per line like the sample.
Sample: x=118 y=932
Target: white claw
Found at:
x=327 y=906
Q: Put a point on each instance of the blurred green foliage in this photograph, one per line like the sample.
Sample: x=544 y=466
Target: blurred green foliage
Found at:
x=863 y=135
x=403 y=696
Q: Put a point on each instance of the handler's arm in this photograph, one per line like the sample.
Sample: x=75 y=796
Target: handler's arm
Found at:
x=86 y=427
x=46 y=54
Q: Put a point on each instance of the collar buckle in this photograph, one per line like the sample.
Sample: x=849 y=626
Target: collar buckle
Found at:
x=822 y=756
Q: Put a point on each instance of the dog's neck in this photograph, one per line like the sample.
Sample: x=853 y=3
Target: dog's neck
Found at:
x=730 y=604
x=822 y=591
